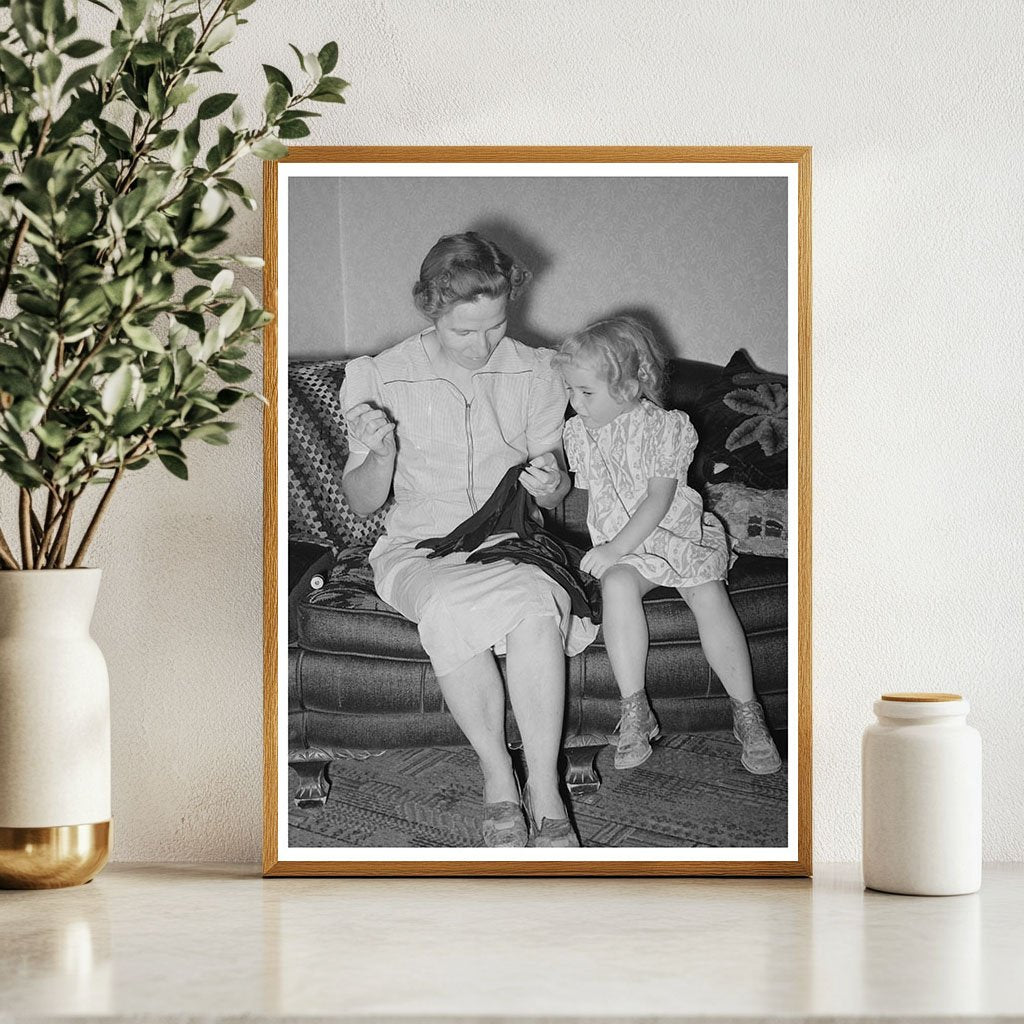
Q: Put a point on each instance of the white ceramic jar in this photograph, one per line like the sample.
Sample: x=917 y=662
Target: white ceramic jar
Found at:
x=921 y=779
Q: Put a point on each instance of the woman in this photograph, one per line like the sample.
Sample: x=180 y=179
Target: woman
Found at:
x=441 y=416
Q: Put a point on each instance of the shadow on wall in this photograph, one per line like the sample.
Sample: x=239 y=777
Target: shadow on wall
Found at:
x=534 y=255
x=531 y=252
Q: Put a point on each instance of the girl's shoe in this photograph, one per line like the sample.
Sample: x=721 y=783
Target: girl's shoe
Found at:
x=504 y=824
x=552 y=832
x=760 y=755
x=637 y=727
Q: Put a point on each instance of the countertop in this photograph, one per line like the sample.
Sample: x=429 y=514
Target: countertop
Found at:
x=178 y=942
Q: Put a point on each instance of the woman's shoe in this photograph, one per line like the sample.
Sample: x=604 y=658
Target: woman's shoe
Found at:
x=637 y=727
x=552 y=832
x=504 y=825
x=760 y=755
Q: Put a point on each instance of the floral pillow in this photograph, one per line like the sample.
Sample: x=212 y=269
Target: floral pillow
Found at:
x=755 y=520
x=743 y=425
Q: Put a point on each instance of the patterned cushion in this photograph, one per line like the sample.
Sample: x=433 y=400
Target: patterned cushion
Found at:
x=342 y=614
x=743 y=425
x=755 y=520
x=317 y=449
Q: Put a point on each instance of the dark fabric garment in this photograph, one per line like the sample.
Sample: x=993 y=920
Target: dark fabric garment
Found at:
x=511 y=509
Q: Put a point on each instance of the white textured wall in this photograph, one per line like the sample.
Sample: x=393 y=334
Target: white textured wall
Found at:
x=914 y=113
x=703 y=260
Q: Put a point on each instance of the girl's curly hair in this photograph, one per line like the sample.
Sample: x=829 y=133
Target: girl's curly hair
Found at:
x=622 y=350
x=465 y=267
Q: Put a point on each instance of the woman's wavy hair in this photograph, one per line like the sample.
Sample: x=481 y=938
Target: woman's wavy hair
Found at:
x=465 y=267
x=622 y=350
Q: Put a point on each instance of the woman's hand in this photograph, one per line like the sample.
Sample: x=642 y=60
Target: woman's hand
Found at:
x=597 y=561
x=373 y=428
x=542 y=477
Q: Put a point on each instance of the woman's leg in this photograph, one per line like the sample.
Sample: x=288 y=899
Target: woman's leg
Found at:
x=475 y=695
x=535 y=664
x=722 y=637
x=624 y=625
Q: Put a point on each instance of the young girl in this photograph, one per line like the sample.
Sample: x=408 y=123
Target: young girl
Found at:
x=649 y=529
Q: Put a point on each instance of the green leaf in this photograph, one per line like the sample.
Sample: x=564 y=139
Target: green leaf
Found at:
x=323 y=96
x=256 y=262
x=222 y=282
x=232 y=319
x=175 y=465
x=274 y=76
x=232 y=373
x=149 y=53
x=184 y=44
x=334 y=84
x=181 y=94
x=16 y=70
x=83 y=48
x=49 y=68
x=293 y=130
x=163 y=139
x=328 y=58
x=269 y=149
x=116 y=390
x=134 y=13
x=234 y=6
x=156 y=100
x=276 y=99
x=54 y=15
x=227 y=397
x=143 y=338
x=26 y=413
x=111 y=63
x=211 y=433
x=221 y=35
x=128 y=421
x=53 y=435
x=311 y=66
x=216 y=104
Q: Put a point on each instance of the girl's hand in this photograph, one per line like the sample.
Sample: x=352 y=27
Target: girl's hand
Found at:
x=372 y=427
x=597 y=561
x=542 y=476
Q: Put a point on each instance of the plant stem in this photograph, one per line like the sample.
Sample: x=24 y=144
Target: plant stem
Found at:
x=25 y=520
x=6 y=554
x=52 y=526
x=97 y=516
x=61 y=543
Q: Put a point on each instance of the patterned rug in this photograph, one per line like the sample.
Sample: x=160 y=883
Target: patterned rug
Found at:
x=693 y=792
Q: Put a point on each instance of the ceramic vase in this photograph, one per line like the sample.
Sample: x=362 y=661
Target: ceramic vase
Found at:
x=54 y=731
x=921 y=775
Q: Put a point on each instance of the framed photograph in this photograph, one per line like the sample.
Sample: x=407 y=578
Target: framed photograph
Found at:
x=538 y=511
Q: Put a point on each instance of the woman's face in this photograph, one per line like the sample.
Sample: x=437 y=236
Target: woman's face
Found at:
x=470 y=331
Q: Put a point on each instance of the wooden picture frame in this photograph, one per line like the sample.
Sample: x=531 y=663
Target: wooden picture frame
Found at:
x=458 y=169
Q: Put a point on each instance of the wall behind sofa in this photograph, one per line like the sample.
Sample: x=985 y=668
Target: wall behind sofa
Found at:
x=701 y=259
x=913 y=110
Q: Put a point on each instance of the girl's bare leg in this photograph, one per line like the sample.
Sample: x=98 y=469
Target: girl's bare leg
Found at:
x=624 y=625
x=722 y=637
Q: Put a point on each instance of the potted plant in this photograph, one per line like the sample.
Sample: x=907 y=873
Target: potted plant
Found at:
x=122 y=339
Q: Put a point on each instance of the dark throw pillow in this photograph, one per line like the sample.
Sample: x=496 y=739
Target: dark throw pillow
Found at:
x=743 y=428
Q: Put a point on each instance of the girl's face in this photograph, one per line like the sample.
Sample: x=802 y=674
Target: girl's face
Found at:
x=470 y=331
x=590 y=397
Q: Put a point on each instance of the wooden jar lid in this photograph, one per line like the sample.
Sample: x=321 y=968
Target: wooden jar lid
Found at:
x=921 y=698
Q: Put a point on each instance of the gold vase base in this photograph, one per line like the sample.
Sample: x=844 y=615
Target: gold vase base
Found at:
x=54 y=857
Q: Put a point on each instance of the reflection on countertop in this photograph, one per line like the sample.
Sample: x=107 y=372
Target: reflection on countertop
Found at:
x=182 y=940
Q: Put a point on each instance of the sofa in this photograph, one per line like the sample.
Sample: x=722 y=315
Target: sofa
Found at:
x=359 y=682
